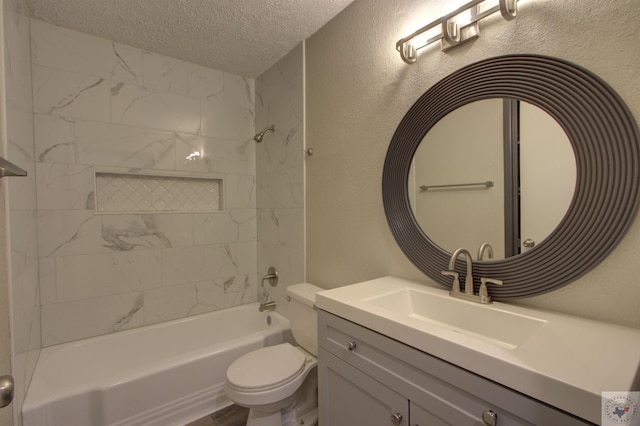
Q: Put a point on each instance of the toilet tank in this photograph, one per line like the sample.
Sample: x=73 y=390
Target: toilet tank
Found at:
x=302 y=315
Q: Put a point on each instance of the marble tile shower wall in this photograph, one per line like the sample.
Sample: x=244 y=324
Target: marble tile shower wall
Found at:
x=100 y=105
x=280 y=162
x=21 y=199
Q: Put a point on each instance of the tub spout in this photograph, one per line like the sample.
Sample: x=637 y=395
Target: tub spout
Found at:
x=267 y=306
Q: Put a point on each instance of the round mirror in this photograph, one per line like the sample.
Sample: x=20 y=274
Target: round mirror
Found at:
x=604 y=139
x=496 y=176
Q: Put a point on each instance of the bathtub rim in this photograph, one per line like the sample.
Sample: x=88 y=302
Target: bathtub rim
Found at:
x=41 y=394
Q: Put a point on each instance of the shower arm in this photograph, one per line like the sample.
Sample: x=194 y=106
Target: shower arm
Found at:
x=259 y=136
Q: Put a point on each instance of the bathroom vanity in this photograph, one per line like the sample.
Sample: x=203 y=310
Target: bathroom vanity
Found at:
x=397 y=352
x=371 y=379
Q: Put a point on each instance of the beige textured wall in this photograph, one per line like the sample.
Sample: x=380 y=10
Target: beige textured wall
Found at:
x=358 y=90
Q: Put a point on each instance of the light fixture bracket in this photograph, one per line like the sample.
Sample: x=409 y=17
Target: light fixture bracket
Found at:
x=451 y=33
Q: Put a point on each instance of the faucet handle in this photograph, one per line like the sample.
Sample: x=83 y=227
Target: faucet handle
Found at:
x=456 y=280
x=484 y=293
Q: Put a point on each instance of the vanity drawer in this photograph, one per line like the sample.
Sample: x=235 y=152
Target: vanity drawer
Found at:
x=453 y=394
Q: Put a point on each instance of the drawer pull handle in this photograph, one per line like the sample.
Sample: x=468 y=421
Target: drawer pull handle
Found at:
x=396 y=419
x=352 y=345
x=490 y=418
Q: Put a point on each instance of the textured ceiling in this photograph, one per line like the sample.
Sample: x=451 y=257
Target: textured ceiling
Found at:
x=244 y=37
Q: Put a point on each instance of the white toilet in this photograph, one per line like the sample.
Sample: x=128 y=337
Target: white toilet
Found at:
x=274 y=382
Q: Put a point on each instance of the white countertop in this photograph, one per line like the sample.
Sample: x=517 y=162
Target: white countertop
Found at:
x=567 y=363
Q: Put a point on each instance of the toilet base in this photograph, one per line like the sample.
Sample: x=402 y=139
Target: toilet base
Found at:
x=290 y=418
x=308 y=419
x=301 y=409
x=264 y=418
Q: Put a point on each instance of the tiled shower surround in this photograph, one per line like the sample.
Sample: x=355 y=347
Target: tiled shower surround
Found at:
x=280 y=172
x=126 y=192
x=106 y=107
x=22 y=255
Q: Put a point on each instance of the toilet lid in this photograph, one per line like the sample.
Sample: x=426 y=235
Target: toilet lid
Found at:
x=266 y=367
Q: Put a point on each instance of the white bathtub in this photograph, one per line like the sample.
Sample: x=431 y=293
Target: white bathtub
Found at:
x=161 y=375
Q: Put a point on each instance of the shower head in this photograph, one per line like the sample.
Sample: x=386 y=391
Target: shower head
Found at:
x=258 y=137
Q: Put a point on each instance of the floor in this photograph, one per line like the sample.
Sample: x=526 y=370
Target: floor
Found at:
x=233 y=415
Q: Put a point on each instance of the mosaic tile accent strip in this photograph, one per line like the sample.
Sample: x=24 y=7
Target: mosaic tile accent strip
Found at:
x=125 y=193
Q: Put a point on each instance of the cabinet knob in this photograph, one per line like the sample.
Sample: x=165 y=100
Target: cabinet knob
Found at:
x=396 y=419
x=351 y=345
x=490 y=418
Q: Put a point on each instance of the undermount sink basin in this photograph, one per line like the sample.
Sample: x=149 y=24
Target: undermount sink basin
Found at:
x=485 y=322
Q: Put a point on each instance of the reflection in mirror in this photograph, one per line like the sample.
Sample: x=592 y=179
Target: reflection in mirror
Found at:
x=472 y=183
x=604 y=137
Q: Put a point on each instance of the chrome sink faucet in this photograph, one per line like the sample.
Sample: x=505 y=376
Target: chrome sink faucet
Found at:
x=468 y=280
x=469 y=294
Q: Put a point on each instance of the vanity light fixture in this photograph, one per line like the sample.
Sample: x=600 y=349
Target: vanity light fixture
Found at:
x=455 y=28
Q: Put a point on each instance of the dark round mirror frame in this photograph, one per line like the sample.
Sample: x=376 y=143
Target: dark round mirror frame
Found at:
x=605 y=139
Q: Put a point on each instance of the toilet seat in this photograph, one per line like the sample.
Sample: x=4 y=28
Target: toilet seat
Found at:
x=268 y=377
x=266 y=368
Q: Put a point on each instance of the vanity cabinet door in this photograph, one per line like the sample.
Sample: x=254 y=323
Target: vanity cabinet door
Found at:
x=422 y=417
x=440 y=392
x=349 y=397
x=450 y=413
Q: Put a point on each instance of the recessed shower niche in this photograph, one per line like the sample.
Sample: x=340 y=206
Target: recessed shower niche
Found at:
x=134 y=193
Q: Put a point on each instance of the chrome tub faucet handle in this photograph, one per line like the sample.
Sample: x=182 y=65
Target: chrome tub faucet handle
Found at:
x=272 y=278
